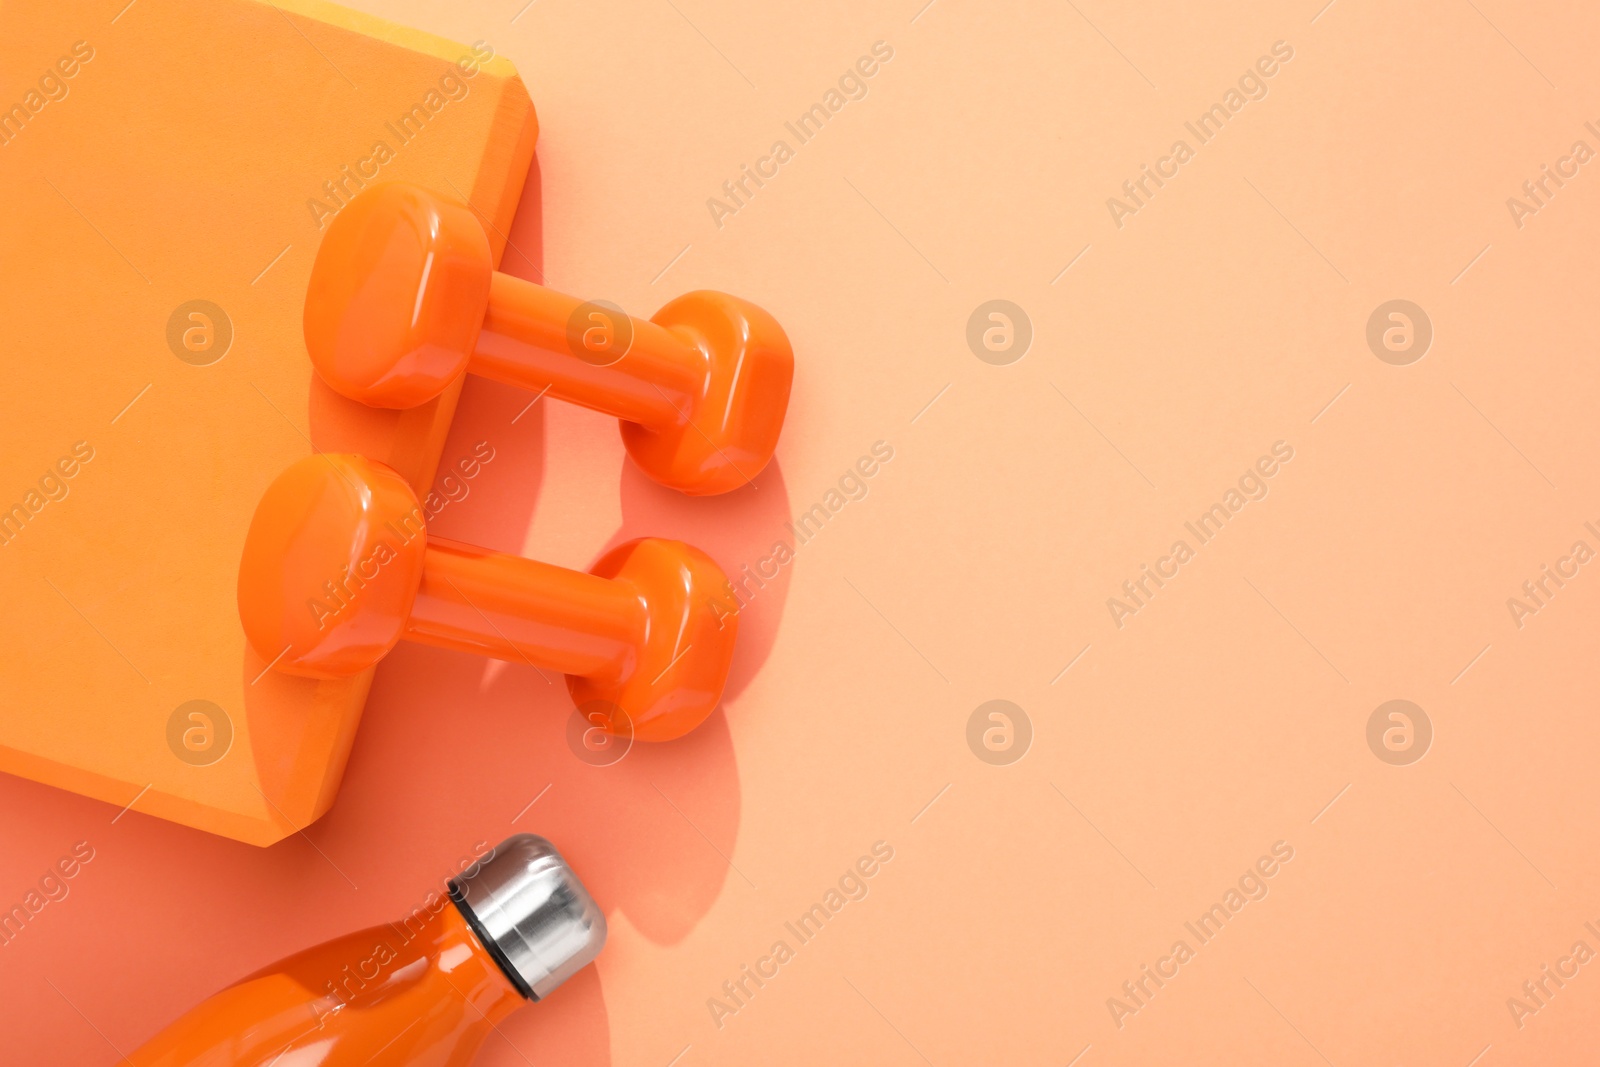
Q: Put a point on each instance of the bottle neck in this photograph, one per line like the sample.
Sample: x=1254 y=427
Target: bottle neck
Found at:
x=421 y=986
x=428 y=967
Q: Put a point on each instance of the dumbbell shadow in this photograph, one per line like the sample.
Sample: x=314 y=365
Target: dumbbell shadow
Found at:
x=740 y=532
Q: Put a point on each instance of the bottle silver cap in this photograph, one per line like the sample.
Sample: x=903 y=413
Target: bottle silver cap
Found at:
x=531 y=912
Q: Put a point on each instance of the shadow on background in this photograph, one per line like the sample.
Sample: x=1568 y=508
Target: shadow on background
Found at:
x=738 y=530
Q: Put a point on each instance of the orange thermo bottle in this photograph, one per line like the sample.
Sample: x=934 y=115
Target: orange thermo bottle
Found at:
x=425 y=990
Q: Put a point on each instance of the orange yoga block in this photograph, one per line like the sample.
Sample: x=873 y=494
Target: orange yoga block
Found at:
x=168 y=175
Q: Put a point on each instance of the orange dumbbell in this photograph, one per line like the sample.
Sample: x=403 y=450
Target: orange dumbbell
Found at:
x=338 y=567
x=404 y=298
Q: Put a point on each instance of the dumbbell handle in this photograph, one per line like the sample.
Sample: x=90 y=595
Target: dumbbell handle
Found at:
x=524 y=343
x=475 y=600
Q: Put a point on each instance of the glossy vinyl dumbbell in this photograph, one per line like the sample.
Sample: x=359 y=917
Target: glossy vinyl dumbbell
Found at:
x=425 y=989
x=338 y=566
x=404 y=298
